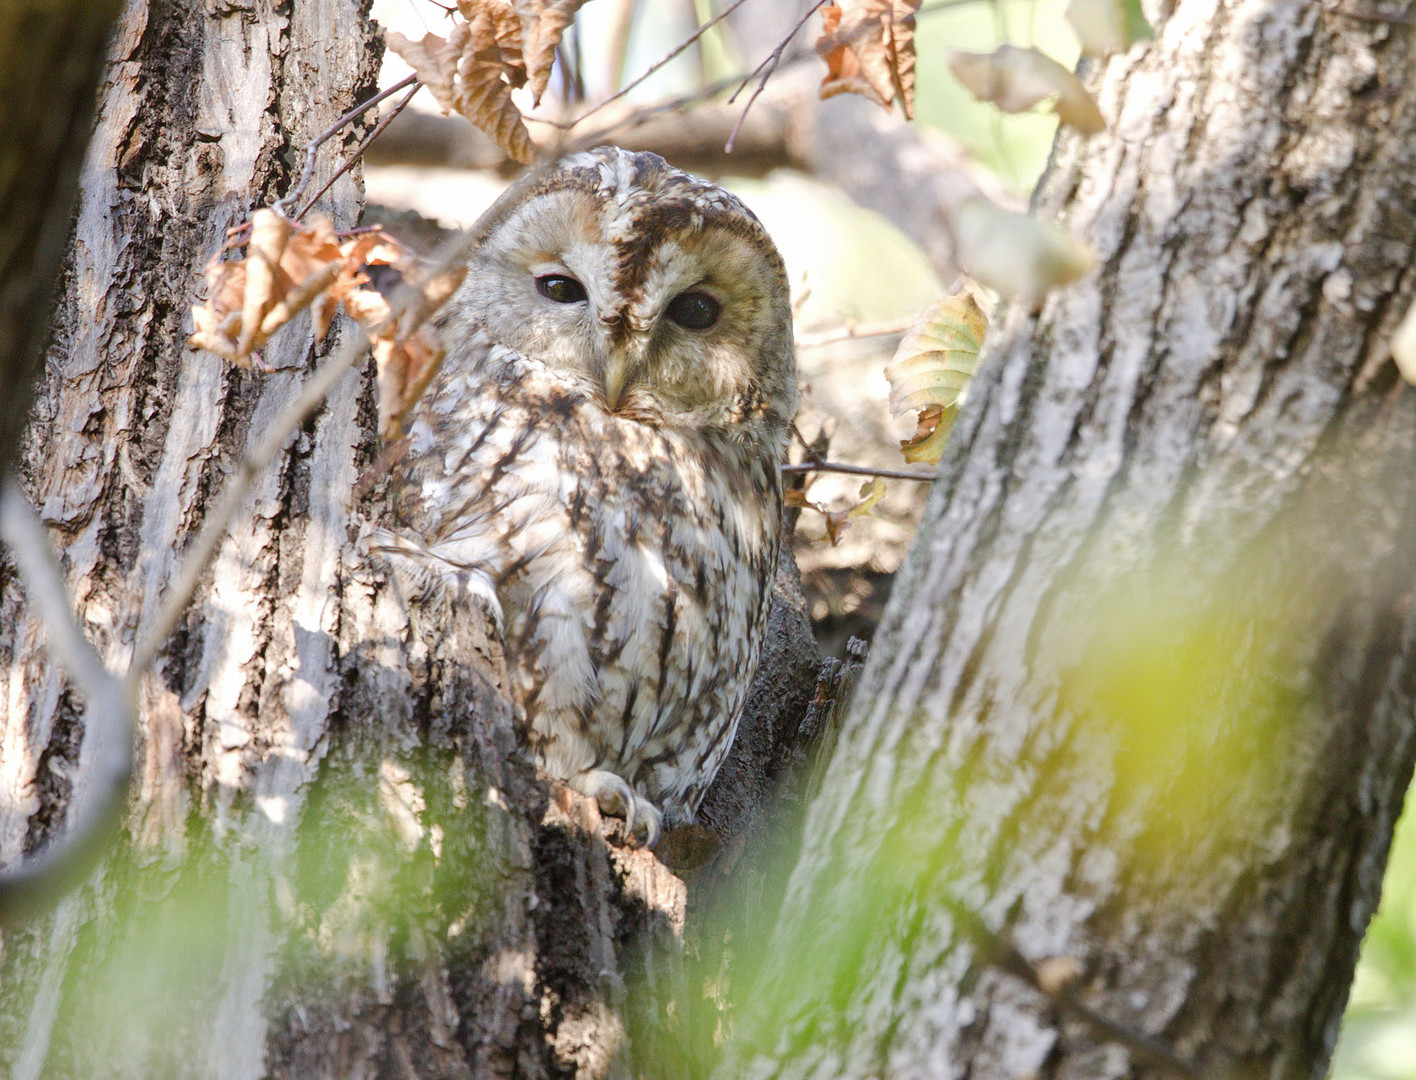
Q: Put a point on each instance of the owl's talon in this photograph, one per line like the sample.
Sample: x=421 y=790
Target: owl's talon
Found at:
x=615 y=796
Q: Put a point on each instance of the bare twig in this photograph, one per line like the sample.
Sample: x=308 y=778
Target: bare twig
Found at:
x=767 y=68
x=37 y=881
x=687 y=43
x=1002 y=954
x=329 y=132
x=856 y=470
x=850 y=331
x=24 y=534
x=359 y=150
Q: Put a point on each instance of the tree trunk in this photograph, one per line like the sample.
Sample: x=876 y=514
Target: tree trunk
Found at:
x=337 y=861
x=1142 y=698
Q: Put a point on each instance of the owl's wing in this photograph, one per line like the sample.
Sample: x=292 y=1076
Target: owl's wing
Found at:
x=419 y=571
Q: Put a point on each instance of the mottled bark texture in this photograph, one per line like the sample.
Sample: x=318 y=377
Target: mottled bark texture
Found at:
x=51 y=60
x=1143 y=695
x=337 y=861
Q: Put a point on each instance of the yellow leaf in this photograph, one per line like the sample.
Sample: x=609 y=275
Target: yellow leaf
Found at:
x=933 y=364
x=937 y=356
x=1016 y=79
x=932 y=431
x=1016 y=254
x=871 y=492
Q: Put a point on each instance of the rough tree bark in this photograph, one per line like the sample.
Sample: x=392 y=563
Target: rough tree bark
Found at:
x=51 y=59
x=1143 y=695
x=337 y=861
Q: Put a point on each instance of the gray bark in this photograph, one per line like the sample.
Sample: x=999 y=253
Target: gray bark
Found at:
x=1143 y=694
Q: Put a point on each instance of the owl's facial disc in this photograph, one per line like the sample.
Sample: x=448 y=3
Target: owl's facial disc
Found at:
x=660 y=294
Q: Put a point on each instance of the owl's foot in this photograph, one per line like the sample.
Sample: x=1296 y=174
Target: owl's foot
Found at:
x=615 y=796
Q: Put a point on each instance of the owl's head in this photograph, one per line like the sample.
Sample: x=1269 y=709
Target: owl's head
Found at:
x=660 y=293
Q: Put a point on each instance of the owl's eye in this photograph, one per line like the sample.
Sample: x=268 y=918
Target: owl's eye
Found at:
x=560 y=288
x=694 y=310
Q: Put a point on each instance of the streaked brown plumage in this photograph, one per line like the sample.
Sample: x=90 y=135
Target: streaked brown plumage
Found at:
x=597 y=461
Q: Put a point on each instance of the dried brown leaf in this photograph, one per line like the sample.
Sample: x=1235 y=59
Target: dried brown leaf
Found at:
x=434 y=60
x=506 y=31
x=836 y=521
x=471 y=73
x=843 y=67
x=932 y=428
x=408 y=354
x=868 y=46
x=286 y=269
x=405 y=368
x=542 y=24
x=315 y=269
x=270 y=232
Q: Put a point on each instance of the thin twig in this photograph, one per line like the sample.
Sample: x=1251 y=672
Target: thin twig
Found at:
x=23 y=532
x=359 y=150
x=329 y=132
x=850 y=331
x=35 y=882
x=1002 y=954
x=686 y=44
x=767 y=68
x=856 y=470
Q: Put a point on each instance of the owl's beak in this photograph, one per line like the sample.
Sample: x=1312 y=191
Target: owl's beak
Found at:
x=616 y=374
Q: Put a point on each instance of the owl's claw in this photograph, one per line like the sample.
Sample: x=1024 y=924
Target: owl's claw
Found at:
x=615 y=796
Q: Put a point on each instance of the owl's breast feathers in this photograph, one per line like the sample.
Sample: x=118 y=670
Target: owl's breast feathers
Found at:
x=632 y=559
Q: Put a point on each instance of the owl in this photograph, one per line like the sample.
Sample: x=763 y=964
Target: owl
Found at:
x=597 y=463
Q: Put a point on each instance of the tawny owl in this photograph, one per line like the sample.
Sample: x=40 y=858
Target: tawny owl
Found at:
x=598 y=459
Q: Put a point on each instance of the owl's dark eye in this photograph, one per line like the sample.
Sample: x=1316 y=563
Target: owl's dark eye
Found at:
x=694 y=310
x=560 y=288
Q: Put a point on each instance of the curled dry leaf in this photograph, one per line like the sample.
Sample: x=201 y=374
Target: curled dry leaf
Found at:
x=931 y=368
x=288 y=268
x=1016 y=254
x=474 y=70
x=871 y=492
x=542 y=24
x=407 y=354
x=1016 y=79
x=1108 y=26
x=868 y=46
